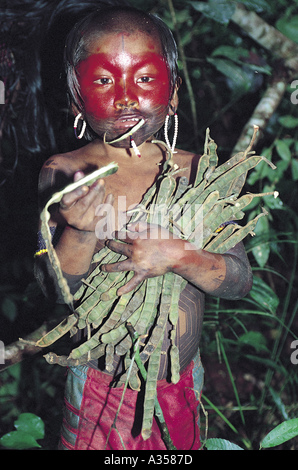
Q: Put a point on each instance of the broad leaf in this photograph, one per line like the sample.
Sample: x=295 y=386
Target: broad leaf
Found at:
x=257 y=5
x=217 y=10
x=255 y=339
x=29 y=427
x=283 y=150
x=239 y=80
x=18 y=440
x=264 y=295
x=295 y=169
x=289 y=27
x=288 y=121
x=31 y=424
x=221 y=444
x=261 y=251
x=282 y=433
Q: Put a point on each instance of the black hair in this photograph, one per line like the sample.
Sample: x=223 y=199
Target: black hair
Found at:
x=101 y=20
x=34 y=118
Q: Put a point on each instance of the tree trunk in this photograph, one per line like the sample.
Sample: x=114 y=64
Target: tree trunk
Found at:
x=280 y=46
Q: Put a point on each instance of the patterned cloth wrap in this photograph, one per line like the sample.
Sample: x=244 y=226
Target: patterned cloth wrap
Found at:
x=91 y=405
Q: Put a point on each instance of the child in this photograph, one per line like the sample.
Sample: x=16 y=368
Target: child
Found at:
x=121 y=68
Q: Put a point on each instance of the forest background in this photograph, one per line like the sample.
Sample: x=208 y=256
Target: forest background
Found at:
x=239 y=65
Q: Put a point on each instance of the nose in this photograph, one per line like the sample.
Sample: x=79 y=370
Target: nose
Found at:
x=125 y=97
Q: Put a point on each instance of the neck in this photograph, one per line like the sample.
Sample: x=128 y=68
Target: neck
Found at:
x=121 y=154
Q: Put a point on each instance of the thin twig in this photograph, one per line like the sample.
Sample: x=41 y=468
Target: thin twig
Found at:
x=17 y=351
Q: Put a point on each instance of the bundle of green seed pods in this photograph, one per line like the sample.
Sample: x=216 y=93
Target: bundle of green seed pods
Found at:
x=193 y=213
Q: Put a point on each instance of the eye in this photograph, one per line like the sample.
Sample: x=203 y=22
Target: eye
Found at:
x=145 y=79
x=103 y=81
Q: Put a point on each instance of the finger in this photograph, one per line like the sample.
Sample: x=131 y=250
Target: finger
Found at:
x=109 y=199
x=96 y=193
x=132 y=284
x=121 y=266
x=70 y=199
x=105 y=209
x=78 y=175
x=126 y=236
x=118 y=247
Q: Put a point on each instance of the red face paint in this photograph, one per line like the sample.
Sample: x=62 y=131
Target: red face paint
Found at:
x=124 y=79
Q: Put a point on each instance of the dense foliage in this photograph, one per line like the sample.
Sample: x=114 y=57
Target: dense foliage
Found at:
x=251 y=382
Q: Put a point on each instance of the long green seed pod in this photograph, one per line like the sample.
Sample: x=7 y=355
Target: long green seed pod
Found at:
x=150 y=392
x=57 y=332
x=45 y=230
x=212 y=200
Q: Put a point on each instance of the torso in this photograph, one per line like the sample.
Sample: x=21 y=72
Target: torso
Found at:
x=189 y=327
x=133 y=184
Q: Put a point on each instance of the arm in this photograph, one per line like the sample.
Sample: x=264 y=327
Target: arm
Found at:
x=227 y=276
x=76 y=216
x=152 y=254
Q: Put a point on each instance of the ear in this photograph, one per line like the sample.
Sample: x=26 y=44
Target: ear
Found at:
x=174 y=101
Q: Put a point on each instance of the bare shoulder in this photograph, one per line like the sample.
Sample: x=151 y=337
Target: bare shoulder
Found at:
x=57 y=172
x=63 y=162
x=188 y=161
x=59 y=169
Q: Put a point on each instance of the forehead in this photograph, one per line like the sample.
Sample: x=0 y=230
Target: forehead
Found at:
x=136 y=43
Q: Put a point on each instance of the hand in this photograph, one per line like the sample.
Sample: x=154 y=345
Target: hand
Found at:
x=80 y=207
x=150 y=249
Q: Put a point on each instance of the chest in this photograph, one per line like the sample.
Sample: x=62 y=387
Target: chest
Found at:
x=128 y=189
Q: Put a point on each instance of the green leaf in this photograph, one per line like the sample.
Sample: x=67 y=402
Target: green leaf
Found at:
x=279 y=403
x=257 y=5
x=221 y=444
x=264 y=295
x=240 y=80
x=271 y=202
x=295 y=169
x=289 y=26
x=9 y=309
x=220 y=11
x=283 y=150
x=233 y=53
x=18 y=440
x=282 y=433
x=261 y=251
x=15 y=371
x=29 y=427
x=238 y=55
x=254 y=339
x=288 y=121
x=31 y=424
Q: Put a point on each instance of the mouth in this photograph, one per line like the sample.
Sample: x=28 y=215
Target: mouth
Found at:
x=132 y=123
x=127 y=121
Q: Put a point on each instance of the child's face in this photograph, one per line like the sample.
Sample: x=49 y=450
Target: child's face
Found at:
x=123 y=80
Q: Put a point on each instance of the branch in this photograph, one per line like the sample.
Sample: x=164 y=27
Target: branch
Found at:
x=19 y=350
x=280 y=46
x=267 y=36
x=262 y=113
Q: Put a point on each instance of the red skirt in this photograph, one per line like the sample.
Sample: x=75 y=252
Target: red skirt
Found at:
x=91 y=405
